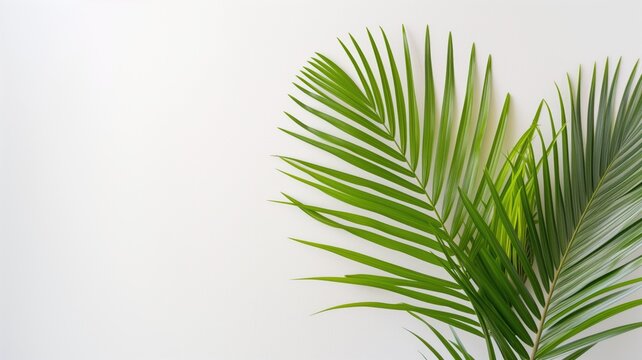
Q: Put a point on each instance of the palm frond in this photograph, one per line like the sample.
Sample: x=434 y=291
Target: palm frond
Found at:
x=583 y=224
x=401 y=167
x=602 y=220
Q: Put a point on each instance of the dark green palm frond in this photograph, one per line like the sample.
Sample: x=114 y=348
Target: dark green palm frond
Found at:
x=403 y=167
x=602 y=223
x=584 y=226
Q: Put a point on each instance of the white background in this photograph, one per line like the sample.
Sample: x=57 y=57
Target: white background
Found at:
x=135 y=171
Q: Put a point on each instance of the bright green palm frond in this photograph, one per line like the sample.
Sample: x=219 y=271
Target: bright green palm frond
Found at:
x=400 y=170
x=583 y=227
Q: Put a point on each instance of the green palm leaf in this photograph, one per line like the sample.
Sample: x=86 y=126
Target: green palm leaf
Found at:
x=602 y=223
x=403 y=168
x=583 y=224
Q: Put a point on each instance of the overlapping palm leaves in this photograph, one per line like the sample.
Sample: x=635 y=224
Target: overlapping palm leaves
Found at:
x=590 y=218
x=537 y=247
x=584 y=227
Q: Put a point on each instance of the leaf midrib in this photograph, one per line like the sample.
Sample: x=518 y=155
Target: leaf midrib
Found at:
x=431 y=203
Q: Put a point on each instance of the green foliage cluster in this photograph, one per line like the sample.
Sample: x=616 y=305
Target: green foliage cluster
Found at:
x=538 y=242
